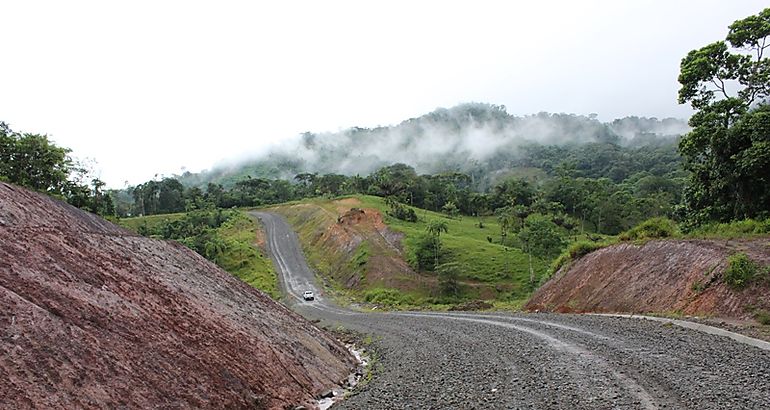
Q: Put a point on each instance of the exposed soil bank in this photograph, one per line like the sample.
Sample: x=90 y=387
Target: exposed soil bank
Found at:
x=353 y=246
x=662 y=276
x=93 y=316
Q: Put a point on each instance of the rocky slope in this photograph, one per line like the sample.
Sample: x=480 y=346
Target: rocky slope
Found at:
x=668 y=276
x=93 y=316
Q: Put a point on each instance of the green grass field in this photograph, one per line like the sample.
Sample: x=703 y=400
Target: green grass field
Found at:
x=245 y=260
x=467 y=244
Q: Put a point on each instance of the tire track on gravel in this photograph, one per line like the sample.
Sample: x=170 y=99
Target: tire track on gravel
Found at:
x=631 y=386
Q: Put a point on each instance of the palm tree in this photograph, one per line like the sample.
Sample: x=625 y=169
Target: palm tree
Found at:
x=435 y=228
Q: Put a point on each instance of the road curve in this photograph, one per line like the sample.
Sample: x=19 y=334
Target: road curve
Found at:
x=530 y=361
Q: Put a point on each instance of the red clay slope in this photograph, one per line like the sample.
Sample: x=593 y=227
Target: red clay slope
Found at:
x=659 y=276
x=93 y=316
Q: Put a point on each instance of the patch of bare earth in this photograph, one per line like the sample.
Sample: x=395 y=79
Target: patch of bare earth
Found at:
x=340 y=229
x=682 y=277
x=93 y=316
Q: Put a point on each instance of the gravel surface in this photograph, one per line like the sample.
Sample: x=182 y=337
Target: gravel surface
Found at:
x=528 y=361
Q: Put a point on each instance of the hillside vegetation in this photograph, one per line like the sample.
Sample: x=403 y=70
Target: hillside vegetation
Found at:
x=230 y=238
x=481 y=140
x=361 y=250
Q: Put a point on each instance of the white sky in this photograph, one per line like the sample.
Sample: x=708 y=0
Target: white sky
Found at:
x=150 y=87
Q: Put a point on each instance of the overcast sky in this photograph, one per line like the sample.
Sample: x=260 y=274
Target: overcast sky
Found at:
x=155 y=87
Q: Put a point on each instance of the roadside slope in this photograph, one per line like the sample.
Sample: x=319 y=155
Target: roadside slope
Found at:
x=663 y=276
x=92 y=315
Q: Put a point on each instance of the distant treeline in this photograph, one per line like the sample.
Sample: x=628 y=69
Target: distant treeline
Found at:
x=606 y=188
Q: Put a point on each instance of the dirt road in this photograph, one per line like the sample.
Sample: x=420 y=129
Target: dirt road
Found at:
x=523 y=361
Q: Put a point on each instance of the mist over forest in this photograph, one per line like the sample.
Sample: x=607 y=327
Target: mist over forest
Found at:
x=478 y=139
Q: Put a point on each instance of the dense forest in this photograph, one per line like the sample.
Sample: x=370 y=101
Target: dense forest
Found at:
x=605 y=186
x=480 y=140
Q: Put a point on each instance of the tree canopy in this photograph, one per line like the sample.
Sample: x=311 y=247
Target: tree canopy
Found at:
x=33 y=161
x=728 y=149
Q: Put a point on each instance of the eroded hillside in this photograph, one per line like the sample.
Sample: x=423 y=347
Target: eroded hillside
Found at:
x=92 y=315
x=352 y=245
x=662 y=276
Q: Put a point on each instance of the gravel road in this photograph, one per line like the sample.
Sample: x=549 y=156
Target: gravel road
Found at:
x=531 y=361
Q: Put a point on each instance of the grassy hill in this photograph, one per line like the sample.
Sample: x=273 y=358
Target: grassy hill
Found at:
x=368 y=256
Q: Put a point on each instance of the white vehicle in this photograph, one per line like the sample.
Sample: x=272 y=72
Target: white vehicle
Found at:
x=308 y=295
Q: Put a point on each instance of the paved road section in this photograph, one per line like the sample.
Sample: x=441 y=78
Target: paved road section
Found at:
x=531 y=361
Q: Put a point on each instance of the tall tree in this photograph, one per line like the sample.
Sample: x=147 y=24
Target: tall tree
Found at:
x=728 y=150
x=31 y=160
x=541 y=238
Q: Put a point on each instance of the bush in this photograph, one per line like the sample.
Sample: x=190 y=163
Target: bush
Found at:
x=652 y=228
x=740 y=271
x=579 y=249
x=763 y=317
x=557 y=264
x=425 y=253
x=448 y=274
x=575 y=251
x=387 y=297
x=400 y=211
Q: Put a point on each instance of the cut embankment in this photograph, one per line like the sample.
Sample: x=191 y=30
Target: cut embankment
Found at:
x=661 y=276
x=94 y=316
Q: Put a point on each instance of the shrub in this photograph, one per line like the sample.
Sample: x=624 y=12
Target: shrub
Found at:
x=425 y=253
x=763 y=317
x=650 y=229
x=698 y=287
x=740 y=271
x=447 y=278
x=557 y=264
x=387 y=297
x=400 y=211
x=579 y=249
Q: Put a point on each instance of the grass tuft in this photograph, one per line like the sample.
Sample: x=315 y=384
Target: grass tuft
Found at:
x=736 y=229
x=653 y=228
x=574 y=252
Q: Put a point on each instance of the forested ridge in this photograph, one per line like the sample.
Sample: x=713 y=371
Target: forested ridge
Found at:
x=480 y=140
x=610 y=176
